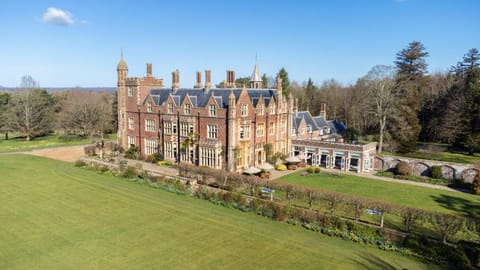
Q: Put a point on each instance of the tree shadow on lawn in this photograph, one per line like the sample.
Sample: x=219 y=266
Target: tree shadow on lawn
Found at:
x=460 y=205
x=372 y=262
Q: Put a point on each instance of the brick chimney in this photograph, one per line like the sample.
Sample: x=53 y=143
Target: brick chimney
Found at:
x=295 y=107
x=208 y=79
x=176 y=79
x=149 y=70
x=323 y=110
x=198 y=84
x=230 y=79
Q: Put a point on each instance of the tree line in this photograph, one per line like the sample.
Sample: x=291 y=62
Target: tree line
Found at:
x=31 y=111
x=401 y=104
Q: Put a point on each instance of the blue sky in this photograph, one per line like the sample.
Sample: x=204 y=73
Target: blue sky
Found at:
x=78 y=43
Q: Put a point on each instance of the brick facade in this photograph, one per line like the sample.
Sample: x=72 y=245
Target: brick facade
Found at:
x=223 y=128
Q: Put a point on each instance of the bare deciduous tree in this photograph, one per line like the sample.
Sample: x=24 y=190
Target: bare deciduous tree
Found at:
x=380 y=84
x=30 y=111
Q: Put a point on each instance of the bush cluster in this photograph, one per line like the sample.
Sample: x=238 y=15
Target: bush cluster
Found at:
x=403 y=168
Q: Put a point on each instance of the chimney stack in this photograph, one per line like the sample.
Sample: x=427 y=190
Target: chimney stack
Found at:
x=230 y=79
x=199 y=80
x=176 y=79
x=208 y=79
x=323 y=110
x=295 y=107
x=149 y=70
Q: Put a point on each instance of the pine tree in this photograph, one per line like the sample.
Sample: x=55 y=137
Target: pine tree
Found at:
x=285 y=81
x=264 y=81
x=411 y=69
x=310 y=95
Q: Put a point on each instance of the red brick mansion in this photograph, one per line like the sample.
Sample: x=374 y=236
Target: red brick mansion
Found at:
x=230 y=128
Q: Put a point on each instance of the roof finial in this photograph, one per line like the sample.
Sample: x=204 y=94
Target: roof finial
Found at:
x=121 y=53
x=256 y=58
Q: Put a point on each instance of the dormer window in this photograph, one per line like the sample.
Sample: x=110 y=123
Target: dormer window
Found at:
x=212 y=110
x=309 y=129
x=170 y=107
x=187 y=108
x=244 y=109
x=260 y=109
x=149 y=107
x=272 y=109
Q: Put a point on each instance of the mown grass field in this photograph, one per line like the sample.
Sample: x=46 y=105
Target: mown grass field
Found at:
x=56 y=216
x=440 y=156
x=17 y=143
x=397 y=193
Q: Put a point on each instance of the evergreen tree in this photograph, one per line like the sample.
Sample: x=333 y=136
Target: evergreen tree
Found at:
x=310 y=95
x=411 y=69
x=264 y=81
x=285 y=81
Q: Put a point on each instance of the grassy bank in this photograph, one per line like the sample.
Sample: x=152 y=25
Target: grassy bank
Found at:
x=402 y=194
x=17 y=143
x=70 y=218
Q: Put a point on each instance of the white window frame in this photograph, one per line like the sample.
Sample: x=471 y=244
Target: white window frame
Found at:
x=150 y=125
x=244 y=110
x=212 y=131
x=150 y=146
x=149 y=107
x=212 y=110
x=131 y=123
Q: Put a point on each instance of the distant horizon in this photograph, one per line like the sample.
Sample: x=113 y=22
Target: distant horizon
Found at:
x=80 y=43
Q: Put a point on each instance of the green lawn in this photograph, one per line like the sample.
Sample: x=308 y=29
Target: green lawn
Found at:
x=16 y=143
x=56 y=216
x=402 y=194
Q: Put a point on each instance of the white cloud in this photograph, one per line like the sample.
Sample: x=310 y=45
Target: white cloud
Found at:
x=58 y=17
x=84 y=22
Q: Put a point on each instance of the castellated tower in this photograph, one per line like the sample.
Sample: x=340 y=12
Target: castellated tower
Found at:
x=122 y=73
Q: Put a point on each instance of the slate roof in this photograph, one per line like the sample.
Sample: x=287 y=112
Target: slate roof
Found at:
x=318 y=122
x=200 y=97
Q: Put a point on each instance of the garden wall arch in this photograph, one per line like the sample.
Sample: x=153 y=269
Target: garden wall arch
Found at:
x=421 y=169
x=379 y=163
x=448 y=172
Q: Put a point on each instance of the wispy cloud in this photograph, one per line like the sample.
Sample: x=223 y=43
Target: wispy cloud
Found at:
x=58 y=17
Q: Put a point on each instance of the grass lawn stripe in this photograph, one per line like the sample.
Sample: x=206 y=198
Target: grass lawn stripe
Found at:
x=71 y=218
x=401 y=194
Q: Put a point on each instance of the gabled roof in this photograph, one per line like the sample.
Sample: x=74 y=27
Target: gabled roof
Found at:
x=317 y=122
x=200 y=97
x=297 y=118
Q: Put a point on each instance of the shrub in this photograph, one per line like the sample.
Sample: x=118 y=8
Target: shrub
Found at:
x=403 y=168
x=281 y=167
x=132 y=153
x=130 y=172
x=437 y=172
x=476 y=185
x=311 y=169
x=317 y=170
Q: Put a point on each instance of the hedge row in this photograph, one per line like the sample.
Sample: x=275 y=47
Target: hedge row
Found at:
x=446 y=225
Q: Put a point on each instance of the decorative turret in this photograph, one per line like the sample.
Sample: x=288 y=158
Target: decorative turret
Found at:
x=122 y=70
x=255 y=80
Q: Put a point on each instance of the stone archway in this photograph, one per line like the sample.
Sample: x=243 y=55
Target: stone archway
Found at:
x=448 y=172
x=379 y=163
x=422 y=169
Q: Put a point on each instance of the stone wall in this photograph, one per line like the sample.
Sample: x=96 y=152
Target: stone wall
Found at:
x=424 y=168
